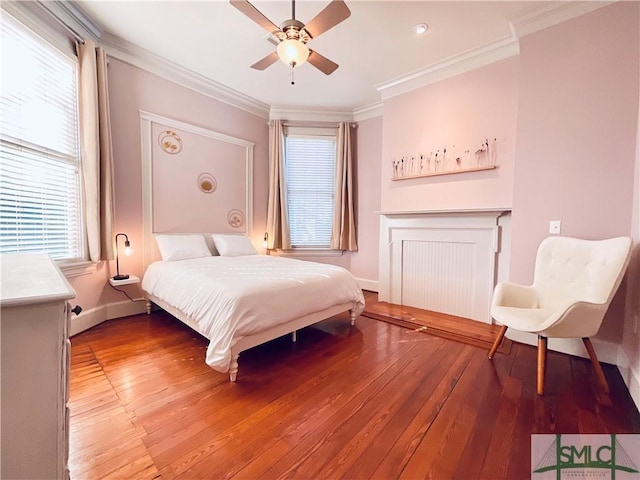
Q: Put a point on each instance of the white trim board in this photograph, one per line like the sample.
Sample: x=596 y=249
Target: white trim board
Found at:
x=630 y=375
x=95 y=316
x=369 y=285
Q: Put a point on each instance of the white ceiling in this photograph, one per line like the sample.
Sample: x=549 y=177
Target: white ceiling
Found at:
x=375 y=45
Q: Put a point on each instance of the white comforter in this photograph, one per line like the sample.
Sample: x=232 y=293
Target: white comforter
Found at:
x=231 y=297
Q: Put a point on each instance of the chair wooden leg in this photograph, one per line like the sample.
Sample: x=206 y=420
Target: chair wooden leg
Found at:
x=596 y=364
x=496 y=344
x=542 y=362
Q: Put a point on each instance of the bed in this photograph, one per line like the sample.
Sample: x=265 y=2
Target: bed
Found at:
x=242 y=300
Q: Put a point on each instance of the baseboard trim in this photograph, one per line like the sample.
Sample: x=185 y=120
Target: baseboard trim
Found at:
x=370 y=285
x=95 y=316
x=630 y=376
x=607 y=352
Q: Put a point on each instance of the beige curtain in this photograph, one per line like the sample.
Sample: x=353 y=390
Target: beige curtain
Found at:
x=343 y=235
x=277 y=216
x=95 y=150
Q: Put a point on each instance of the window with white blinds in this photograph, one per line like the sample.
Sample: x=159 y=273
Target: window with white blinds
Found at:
x=40 y=202
x=310 y=165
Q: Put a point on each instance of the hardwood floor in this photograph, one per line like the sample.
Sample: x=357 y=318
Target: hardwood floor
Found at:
x=371 y=401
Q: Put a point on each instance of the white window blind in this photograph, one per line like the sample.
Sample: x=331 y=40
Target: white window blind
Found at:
x=310 y=164
x=40 y=207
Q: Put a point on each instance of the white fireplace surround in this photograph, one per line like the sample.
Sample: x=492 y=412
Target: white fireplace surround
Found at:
x=446 y=261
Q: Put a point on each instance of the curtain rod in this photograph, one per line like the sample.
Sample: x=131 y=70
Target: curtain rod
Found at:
x=62 y=23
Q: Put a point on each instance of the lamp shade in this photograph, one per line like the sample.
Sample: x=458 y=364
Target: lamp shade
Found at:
x=293 y=52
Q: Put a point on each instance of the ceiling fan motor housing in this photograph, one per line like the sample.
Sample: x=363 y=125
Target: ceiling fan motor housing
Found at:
x=293 y=29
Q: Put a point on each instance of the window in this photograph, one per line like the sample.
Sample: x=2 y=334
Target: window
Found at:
x=40 y=203
x=310 y=163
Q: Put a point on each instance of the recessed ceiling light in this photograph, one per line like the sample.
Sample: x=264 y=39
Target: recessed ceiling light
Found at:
x=420 y=28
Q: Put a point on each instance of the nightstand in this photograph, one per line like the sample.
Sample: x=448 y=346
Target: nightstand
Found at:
x=127 y=281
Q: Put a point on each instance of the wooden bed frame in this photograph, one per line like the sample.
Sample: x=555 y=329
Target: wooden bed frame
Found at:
x=245 y=343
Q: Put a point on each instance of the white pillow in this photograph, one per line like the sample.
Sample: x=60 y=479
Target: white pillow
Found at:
x=182 y=247
x=233 y=245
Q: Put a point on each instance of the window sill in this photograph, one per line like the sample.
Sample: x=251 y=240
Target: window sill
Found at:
x=75 y=269
x=307 y=252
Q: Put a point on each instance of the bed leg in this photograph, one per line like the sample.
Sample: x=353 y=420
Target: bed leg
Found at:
x=294 y=336
x=233 y=368
x=352 y=315
x=148 y=307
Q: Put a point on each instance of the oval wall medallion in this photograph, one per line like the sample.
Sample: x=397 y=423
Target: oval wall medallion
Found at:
x=235 y=218
x=170 y=142
x=207 y=183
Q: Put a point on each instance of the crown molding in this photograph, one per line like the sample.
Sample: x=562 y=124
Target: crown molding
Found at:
x=494 y=51
x=40 y=19
x=310 y=114
x=139 y=57
x=538 y=18
x=316 y=114
x=40 y=13
x=368 y=111
x=74 y=17
x=548 y=14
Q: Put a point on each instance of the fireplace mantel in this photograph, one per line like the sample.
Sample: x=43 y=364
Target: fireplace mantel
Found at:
x=449 y=212
x=443 y=260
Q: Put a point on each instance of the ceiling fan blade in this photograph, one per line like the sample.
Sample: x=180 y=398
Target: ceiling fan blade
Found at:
x=266 y=61
x=323 y=64
x=329 y=17
x=254 y=14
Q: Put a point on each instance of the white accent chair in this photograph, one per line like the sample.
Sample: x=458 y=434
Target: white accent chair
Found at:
x=574 y=283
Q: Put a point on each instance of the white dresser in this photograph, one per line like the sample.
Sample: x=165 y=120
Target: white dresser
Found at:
x=34 y=326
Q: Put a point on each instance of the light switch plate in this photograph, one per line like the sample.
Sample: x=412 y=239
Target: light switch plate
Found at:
x=554 y=227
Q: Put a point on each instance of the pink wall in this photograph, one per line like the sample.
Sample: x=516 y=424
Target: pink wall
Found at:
x=364 y=262
x=577 y=126
x=461 y=111
x=180 y=205
x=131 y=90
x=576 y=131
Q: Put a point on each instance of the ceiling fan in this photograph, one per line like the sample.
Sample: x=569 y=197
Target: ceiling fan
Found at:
x=292 y=36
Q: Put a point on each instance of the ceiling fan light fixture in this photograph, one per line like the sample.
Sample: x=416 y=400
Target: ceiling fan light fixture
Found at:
x=293 y=52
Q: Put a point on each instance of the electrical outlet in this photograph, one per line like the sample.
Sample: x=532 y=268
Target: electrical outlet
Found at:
x=554 y=227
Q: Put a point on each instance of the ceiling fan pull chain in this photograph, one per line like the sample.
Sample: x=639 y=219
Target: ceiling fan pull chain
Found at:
x=292 y=79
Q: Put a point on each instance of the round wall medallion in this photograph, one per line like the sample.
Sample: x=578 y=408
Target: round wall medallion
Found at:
x=235 y=218
x=207 y=183
x=170 y=142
